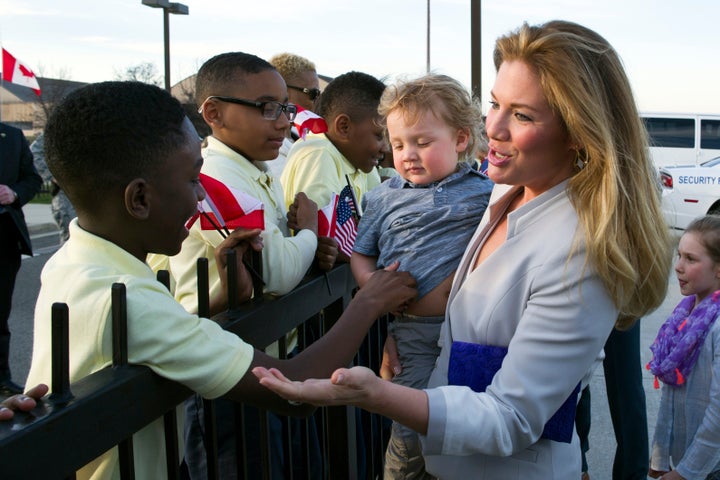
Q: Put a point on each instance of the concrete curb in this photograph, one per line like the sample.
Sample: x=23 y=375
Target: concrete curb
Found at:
x=40 y=228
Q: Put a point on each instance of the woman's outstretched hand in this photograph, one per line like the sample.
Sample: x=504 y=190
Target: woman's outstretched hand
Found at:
x=354 y=386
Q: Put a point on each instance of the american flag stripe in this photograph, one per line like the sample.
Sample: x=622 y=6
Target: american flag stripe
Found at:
x=346 y=230
x=345 y=237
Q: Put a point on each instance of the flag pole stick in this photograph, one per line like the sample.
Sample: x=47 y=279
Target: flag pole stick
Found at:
x=352 y=197
x=251 y=269
x=217 y=227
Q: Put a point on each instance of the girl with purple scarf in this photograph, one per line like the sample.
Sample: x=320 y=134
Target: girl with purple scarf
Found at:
x=686 y=358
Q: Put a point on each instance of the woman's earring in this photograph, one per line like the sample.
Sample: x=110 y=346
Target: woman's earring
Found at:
x=580 y=159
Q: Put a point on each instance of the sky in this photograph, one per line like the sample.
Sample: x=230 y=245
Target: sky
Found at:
x=669 y=48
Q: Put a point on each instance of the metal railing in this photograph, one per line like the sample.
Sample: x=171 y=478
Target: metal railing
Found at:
x=80 y=421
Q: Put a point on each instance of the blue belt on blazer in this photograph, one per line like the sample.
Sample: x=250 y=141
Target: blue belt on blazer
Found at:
x=474 y=365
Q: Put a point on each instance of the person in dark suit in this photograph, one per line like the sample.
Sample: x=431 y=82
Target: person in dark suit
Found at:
x=19 y=182
x=626 y=399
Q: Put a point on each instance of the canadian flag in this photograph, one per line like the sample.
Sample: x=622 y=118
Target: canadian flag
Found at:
x=327 y=217
x=305 y=121
x=227 y=208
x=15 y=71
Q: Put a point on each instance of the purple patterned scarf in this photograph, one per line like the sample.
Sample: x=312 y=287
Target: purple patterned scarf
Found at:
x=678 y=343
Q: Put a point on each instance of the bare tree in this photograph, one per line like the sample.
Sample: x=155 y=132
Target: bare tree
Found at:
x=145 y=72
x=184 y=91
x=54 y=87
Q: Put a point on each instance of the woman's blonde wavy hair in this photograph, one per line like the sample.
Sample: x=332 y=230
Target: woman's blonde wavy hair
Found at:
x=616 y=194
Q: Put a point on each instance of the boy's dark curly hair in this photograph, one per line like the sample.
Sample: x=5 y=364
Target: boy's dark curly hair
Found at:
x=224 y=71
x=103 y=135
x=355 y=94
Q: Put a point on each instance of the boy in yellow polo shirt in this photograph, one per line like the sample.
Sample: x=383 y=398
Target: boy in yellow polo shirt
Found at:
x=243 y=99
x=350 y=149
x=132 y=174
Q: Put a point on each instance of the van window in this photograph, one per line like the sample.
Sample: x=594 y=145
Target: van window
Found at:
x=671 y=132
x=710 y=134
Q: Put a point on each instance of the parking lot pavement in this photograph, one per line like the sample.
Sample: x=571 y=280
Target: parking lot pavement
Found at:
x=41 y=225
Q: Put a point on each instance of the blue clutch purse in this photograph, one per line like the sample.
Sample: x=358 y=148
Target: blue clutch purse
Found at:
x=473 y=365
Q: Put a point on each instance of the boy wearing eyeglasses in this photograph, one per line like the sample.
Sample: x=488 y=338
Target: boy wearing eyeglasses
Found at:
x=348 y=152
x=303 y=86
x=244 y=100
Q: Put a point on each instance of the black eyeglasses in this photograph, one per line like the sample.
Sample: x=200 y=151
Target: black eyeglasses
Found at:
x=270 y=110
x=313 y=93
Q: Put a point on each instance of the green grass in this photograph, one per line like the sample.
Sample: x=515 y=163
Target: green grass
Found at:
x=43 y=196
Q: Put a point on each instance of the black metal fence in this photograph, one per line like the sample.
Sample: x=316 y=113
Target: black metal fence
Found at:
x=80 y=421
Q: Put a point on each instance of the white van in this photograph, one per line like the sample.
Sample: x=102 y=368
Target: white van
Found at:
x=682 y=139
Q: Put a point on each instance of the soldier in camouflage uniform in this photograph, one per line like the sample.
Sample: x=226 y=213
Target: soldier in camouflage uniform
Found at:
x=62 y=209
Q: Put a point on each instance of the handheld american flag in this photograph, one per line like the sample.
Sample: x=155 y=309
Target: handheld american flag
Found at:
x=346 y=227
x=336 y=220
x=227 y=207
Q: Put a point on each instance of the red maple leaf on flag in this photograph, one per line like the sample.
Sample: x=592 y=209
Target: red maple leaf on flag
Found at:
x=25 y=71
x=15 y=71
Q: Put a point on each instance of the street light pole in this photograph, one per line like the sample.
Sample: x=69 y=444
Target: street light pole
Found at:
x=168 y=8
x=427 y=48
x=475 y=49
x=166 y=38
